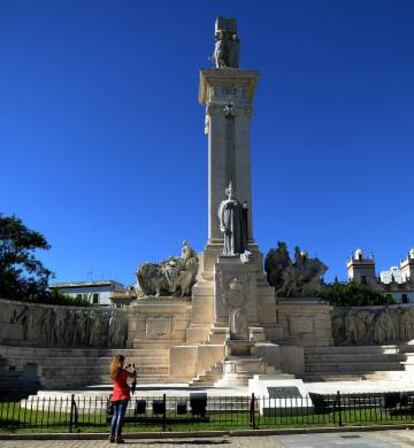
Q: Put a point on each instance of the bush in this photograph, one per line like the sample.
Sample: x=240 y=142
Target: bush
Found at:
x=354 y=294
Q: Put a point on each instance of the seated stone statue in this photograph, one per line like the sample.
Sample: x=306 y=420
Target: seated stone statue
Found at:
x=172 y=276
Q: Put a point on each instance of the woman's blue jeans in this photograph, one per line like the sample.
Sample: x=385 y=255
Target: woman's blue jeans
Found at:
x=118 y=417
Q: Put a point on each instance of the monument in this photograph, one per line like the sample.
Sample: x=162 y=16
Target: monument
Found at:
x=231 y=328
x=233 y=315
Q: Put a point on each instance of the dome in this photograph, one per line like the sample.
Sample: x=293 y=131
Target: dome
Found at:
x=359 y=255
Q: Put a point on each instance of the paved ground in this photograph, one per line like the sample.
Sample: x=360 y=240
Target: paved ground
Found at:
x=388 y=439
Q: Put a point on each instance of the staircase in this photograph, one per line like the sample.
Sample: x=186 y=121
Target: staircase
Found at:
x=244 y=368
x=355 y=363
x=61 y=368
x=209 y=377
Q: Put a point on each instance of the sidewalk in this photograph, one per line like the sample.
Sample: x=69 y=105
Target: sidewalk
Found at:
x=385 y=439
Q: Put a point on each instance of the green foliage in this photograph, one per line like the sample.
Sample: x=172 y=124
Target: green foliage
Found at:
x=22 y=276
x=354 y=294
x=54 y=297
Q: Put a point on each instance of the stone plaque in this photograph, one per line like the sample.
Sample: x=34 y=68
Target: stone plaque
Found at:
x=283 y=392
x=299 y=325
x=157 y=327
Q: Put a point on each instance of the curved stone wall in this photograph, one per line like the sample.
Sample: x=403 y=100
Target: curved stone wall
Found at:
x=31 y=324
x=378 y=325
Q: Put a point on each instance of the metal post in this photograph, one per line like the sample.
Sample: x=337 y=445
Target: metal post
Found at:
x=338 y=397
x=164 y=412
x=72 y=407
x=252 y=412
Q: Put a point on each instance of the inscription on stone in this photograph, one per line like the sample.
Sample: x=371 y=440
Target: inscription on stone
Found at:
x=283 y=392
x=228 y=92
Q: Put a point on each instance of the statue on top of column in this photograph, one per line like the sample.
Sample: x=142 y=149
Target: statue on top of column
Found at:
x=227 y=46
x=233 y=224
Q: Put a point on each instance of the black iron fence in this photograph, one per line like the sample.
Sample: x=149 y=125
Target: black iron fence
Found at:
x=199 y=411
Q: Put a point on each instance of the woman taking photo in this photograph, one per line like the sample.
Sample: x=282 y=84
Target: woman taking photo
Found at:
x=120 y=396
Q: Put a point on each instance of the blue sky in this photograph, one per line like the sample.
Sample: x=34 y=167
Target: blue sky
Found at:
x=101 y=134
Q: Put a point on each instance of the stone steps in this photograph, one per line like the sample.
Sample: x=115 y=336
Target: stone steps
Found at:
x=80 y=352
x=101 y=362
x=367 y=358
x=68 y=368
x=61 y=383
x=361 y=349
x=353 y=367
x=354 y=363
x=353 y=376
x=209 y=377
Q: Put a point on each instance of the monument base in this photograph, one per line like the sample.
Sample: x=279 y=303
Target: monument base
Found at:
x=306 y=322
x=237 y=370
x=280 y=394
x=238 y=348
x=158 y=322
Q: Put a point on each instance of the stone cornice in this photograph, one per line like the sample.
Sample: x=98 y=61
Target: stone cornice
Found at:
x=228 y=77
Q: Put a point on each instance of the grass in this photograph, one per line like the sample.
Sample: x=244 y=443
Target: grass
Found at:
x=16 y=419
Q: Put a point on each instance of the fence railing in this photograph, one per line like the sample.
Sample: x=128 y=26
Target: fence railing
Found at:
x=77 y=413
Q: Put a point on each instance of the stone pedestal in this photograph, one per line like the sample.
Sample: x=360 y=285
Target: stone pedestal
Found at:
x=238 y=348
x=158 y=322
x=306 y=322
x=280 y=394
x=237 y=370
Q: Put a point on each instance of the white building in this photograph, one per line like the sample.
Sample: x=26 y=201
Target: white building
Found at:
x=393 y=275
x=397 y=281
x=95 y=292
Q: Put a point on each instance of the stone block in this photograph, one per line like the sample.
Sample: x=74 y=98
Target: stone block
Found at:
x=269 y=352
x=278 y=395
x=305 y=321
x=202 y=309
x=183 y=361
x=197 y=333
x=238 y=348
x=292 y=359
x=208 y=355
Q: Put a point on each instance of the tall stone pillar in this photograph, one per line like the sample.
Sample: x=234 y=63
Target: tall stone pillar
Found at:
x=227 y=94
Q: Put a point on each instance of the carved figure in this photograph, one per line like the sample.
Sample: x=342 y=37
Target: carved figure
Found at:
x=173 y=276
x=219 y=51
x=298 y=278
x=227 y=44
x=234 y=294
x=48 y=325
x=232 y=224
x=372 y=325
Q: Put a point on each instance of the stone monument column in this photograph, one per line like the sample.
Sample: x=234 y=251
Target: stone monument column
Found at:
x=227 y=94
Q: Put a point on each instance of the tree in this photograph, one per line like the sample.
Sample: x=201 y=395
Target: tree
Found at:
x=22 y=275
x=354 y=294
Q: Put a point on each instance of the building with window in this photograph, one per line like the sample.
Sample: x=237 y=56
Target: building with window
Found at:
x=95 y=292
x=361 y=269
x=397 y=281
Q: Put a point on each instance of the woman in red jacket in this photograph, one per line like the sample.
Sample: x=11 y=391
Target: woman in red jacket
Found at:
x=120 y=396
